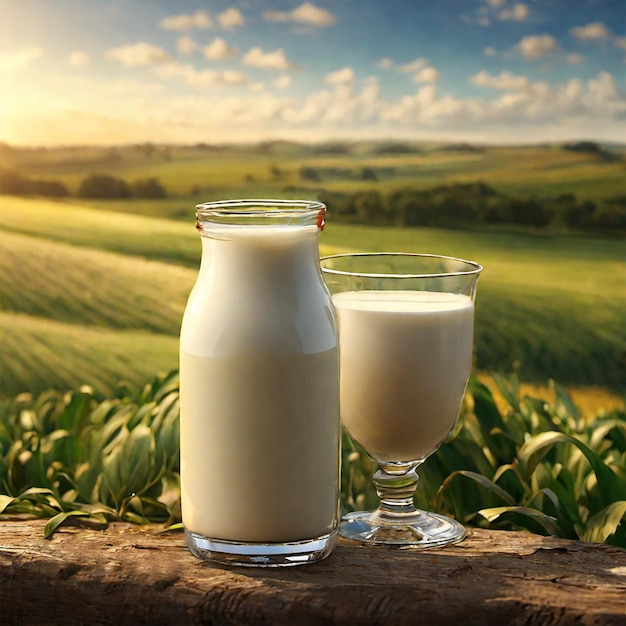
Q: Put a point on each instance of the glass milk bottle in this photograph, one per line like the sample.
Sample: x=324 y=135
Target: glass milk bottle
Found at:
x=259 y=388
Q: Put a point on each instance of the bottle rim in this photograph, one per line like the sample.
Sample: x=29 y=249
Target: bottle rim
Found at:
x=259 y=213
x=256 y=207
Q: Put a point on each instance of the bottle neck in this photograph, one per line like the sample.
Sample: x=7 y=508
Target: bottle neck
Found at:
x=263 y=253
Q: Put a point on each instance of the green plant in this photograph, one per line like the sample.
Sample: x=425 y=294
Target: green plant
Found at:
x=536 y=465
x=73 y=455
x=79 y=457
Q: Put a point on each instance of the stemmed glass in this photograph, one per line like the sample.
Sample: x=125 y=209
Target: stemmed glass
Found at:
x=406 y=326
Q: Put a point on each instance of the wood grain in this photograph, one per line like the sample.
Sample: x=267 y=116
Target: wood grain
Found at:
x=129 y=575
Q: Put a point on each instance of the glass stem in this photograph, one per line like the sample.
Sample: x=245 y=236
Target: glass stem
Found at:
x=396 y=491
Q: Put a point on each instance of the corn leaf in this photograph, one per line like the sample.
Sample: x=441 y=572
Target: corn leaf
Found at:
x=605 y=523
x=521 y=512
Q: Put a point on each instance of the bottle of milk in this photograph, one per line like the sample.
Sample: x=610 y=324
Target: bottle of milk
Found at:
x=259 y=388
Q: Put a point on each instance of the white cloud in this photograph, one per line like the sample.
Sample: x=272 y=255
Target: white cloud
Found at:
x=496 y=4
x=201 y=78
x=79 y=59
x=536 y=111
x=490 y=51
x=219 y=50
x=344 y=76
x=574 y=57
x=483 y=20
x=385 y=63
x=19 y=59
x=282 y=81
x=591 y=32
x=344 y=105
x=138 y=55
x=505 y=81
x=534 y=46
x=427 y=75
x=517 y=13
x=186 y=45
x=199 y=19
x=413 y=66
x=603 y=87
x=306 y=13
x=620 y=42
x=230 y=18
x=275 y=60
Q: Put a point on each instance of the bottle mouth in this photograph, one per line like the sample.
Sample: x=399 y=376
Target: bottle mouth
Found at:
x=259 y=213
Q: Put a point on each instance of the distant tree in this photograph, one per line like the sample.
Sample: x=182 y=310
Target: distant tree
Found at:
x=338 y=203
x=409 y=207
x=368 y=173
x=104 y=186
x=275 y=172
x=51 y=188
x=394 y=148
x=148 y=188
x=368 y=206
x=611 y=215
x=579 y=215
x=531 y=212
x=309 y=174
x=12 y=182
x=585 y=146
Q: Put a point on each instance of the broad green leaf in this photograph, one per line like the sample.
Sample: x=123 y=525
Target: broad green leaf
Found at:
x=5 y=501
x=483 y=482
x=59 y=519
x=548 y=522
x=608 y=482
x=604 y=523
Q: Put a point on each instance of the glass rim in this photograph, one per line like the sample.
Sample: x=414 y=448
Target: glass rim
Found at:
x=250 y=207
x=477 y=268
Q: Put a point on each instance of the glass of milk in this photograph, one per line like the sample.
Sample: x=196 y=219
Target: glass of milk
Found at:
x=406 y=325
x=259 y=389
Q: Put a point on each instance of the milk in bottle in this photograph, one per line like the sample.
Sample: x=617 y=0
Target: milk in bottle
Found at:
x=259 y=389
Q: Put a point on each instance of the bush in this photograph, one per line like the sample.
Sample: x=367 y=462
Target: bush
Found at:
x=309 y=174
x=13 y=183
x=148 y=188
x=611 y=216
x=50 y=188
x=104 y=186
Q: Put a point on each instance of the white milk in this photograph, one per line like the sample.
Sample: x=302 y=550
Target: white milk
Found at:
x=405 y=362
x=259 y=390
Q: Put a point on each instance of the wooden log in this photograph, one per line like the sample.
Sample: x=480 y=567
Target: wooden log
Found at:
x=131 y=575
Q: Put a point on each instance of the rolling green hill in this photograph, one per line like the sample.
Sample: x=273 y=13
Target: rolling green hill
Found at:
x=95 y=296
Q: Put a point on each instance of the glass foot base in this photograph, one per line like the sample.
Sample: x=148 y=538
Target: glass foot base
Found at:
x=260 y=554
x=420 y=530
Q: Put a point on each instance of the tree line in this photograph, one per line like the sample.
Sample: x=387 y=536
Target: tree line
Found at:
x=458 y=205
x=454 y=205
x=92 y=186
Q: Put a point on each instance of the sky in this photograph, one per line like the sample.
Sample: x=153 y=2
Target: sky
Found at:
x=188 y=71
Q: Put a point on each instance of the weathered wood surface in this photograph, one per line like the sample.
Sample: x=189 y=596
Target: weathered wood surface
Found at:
x=125 y=575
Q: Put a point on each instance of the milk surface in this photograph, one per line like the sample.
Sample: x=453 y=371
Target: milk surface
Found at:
x=405 y=361
x=259 y=390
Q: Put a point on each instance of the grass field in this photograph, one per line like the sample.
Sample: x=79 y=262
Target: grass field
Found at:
x=90 y=296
